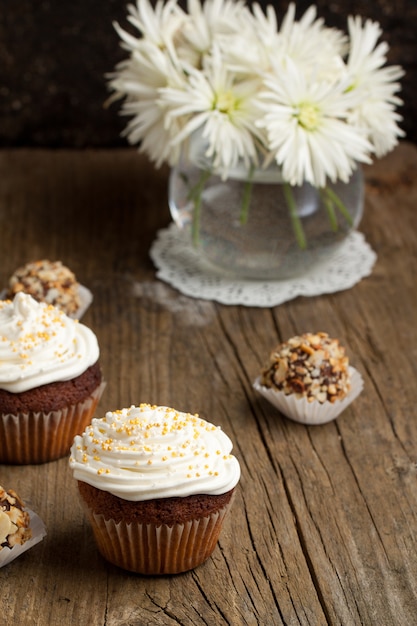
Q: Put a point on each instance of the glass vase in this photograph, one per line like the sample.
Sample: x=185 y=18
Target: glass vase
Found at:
x=257 y=226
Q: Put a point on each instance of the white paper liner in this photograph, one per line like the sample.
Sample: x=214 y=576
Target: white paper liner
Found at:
x=38 y=437
x=157 y=550
x=38 y=533
x=86 y=298
x=311 y=413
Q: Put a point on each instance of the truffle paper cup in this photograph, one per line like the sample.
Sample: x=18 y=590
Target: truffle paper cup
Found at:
x=157 y=550
x=86 y=298
x=38 y=533
x=37 y=437
x=311 y=413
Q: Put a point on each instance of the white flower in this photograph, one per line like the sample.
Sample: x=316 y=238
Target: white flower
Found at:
x=157 y=25
x=377 y=85
x=257 y=40
x=310 y=44
x=307 y=42
x=152 y=65
x=307 y=129
x=139 y=81
x=208 y=23
x=315 y=100
x=224 y=110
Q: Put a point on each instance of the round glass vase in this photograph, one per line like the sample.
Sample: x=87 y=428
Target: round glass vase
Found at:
x=256 y=226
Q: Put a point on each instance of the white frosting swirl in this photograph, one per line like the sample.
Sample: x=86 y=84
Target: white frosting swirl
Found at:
x=39 y=344
x=147 y=452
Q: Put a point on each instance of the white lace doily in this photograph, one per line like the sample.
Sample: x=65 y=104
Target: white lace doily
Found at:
x=180 y=265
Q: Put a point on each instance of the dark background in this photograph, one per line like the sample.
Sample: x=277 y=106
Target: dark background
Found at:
x=54 y=56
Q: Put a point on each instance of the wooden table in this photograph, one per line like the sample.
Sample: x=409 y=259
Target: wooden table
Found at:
x=323 y=529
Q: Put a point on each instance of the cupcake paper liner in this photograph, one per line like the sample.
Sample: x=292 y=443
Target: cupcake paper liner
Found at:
x=157 y=550
x=311 y=413
x=37 y=437
x=38 y=533
x=86 y=298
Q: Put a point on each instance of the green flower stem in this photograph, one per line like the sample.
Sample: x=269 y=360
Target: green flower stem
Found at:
x=247 y=195
x=331 y=213
x=334 y=198
x=295 y=219
x=196 y=196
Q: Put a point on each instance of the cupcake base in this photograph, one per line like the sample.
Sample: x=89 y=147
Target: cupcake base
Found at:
x=36 y=437
x=155 y=548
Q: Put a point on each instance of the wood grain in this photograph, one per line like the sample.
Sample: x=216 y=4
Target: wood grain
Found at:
x=323 y=529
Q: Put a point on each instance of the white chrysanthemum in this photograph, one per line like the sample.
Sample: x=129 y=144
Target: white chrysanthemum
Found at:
x=157 y=25
x=250 y=51
x=325 y=105
x=139 y=81
x=307 y=41
x=209 y=22
x=379 y=121
x=152 y=64
x=375 y=84
x=307 y=129
x=222 y=109
x=310 y=44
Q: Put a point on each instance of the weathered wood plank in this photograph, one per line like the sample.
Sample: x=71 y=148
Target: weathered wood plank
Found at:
x=324 y=524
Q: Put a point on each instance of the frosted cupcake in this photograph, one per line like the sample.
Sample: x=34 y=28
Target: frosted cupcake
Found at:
x=309 y=379
x=156 y=485
x=50 y=380
x=51 y=282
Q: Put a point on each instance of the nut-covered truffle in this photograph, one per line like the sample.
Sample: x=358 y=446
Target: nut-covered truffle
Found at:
x=14 y=520
x=47 y=281
x=311 y=365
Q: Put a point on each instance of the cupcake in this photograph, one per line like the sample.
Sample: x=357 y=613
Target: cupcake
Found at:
x=309 y=379
x=20 y=528
x=50 y=380
x=50 y=282
x=156 y=485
